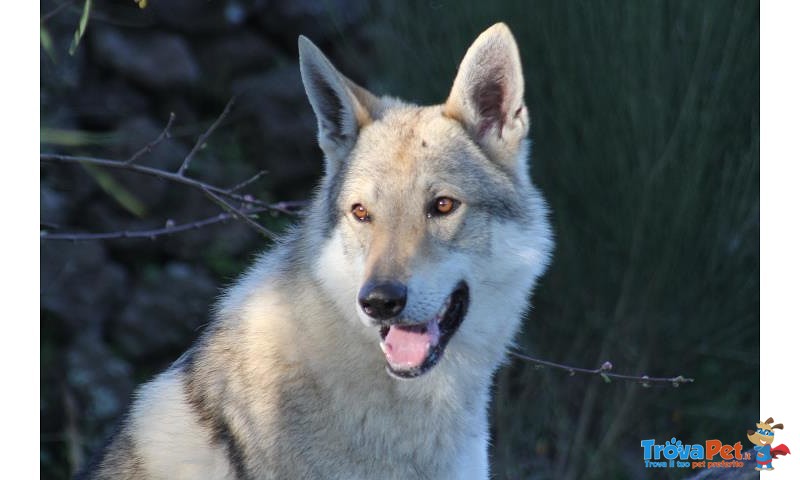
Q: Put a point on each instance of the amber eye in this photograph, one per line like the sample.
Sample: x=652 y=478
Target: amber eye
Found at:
x=361 y=213
x=443 y=206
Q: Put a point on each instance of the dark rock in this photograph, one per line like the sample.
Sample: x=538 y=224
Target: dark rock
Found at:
x=102 y=381
x=282 y=135
x=78 y=282
x=69 y=180
x=193 y=16
x=106 y=102
x=317 y=20
x=164 y=312
x=279 y=99
x=222 y=57
x=153 y=59
x=53 y=206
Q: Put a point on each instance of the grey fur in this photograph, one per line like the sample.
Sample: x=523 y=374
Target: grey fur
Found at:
x=289 y=381
x=119 y=460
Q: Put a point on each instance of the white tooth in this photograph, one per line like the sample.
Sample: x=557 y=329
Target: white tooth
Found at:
x=383 y=347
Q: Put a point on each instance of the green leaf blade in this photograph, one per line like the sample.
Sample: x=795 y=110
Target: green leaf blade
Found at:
x=76 y=39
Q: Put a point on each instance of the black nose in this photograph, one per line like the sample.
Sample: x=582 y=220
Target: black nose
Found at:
x=383 y=299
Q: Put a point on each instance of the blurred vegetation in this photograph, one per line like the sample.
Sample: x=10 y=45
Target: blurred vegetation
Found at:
x=645 y=128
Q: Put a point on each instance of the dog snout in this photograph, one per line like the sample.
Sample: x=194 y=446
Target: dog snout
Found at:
x=382 y=299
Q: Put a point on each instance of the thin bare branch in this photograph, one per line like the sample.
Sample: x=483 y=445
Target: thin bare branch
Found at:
x=604 y=372
x=150 y=146
x=169 y=229
x=217 y=194
x=240 y=215
x=288 y=207
x=173 y=177
x=201 y=140
x=247 y=182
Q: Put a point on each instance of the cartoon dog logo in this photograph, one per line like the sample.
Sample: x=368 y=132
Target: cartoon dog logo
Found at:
x=762 y=439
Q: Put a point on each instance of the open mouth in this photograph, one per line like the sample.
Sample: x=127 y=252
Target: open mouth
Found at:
x=412 y=350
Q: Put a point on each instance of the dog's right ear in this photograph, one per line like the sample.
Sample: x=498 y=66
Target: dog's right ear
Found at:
x=341 y=106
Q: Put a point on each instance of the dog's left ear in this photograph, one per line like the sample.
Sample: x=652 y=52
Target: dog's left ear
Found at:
x=487 y=95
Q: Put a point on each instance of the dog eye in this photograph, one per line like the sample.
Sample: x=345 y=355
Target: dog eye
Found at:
x=361 y=213
x=443 y=206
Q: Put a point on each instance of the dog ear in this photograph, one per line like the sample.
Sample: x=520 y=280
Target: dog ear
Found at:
x=341 y=106
x=779 y=426
x=769 y=420
x=487 y=95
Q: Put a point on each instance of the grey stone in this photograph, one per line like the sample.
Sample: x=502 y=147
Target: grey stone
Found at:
x=193 y=16
x=106 y=103
x=279 y=98
x=53 y=206
x=222 y=57
x=102 y=381
x=78 y=283
x=315 y=19
x=283 y=130
x=164 y=312
x=153 y=59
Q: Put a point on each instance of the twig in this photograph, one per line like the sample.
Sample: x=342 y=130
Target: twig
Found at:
x=201 y=140
x=287 y=207
x=240 y=215
x=217 y=194
x=169 y=229
x=247 y=182
x=150 y=146
x=603 y=371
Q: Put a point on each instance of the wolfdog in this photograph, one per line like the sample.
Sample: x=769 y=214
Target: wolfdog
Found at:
x=363 y=345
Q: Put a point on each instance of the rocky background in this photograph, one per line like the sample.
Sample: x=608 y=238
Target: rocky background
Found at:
x=645 y=117
x=116 y=312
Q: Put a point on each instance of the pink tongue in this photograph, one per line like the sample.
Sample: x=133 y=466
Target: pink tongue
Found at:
x=408 y=347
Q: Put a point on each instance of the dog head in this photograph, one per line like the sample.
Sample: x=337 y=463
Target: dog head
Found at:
x=433 y=233
x=765 y=434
